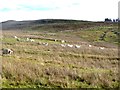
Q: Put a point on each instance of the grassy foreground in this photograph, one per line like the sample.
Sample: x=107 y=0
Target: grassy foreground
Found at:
x=34 y=65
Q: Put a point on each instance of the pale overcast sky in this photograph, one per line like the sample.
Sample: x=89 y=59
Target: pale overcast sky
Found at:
x=92 y=10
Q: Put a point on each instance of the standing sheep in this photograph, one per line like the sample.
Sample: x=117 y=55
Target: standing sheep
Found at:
x=27 y=39
x=15 y=37
x=101 y=48
x=77 y=46
x=70 y=45
x=63 y=45
x=7 y=51
x=90 y=45
x=62 y=41
x=32 y=40
x=46 y=44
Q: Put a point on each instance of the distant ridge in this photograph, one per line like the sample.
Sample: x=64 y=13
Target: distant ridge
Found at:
x=54 y=23
x=12 y=24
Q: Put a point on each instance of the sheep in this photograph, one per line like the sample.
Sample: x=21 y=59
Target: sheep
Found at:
x=32 y=40
x=90 y=45
x=77 y=46
x=15 y=37
x=63 y=45
x=28 y=39
x=18 y=39
x=7 y=51
x=55 y=40
x=62 y=41
x=70 y=45
x=46 y=44
x=102 y=48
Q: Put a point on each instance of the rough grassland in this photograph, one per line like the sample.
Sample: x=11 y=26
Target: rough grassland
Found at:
x=34 y=65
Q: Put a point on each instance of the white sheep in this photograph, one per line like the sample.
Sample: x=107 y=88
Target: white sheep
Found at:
x=77 y=46
x=28 y=39
x=46 y=44
x=70 y=45
x=15 y=37
x=102 y=48
x=90 y=45
x=62 y=41
x=7 y=51
x=32 y=40
x=63 y=45
x=55 y=40
x=18 y=39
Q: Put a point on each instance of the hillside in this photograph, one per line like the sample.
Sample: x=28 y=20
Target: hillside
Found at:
x=60 y=54
x=12 y=24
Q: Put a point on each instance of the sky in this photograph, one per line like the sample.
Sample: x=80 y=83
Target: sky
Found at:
x=91 y=10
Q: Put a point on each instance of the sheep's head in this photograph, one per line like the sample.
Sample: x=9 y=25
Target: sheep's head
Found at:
x=10 y=51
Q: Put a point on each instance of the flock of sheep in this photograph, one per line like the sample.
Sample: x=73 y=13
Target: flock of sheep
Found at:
x=10 y=51
x=80 y=46
x=28 y=39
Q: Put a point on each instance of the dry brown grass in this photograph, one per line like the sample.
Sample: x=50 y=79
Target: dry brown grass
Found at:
x=33 y=65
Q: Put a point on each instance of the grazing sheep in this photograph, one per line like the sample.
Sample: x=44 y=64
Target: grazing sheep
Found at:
x=46 y=44
x=18 y=39
x=15 y=37
x=63 y=45
x=7 y=51
x=62 y=41
x=77 y=46
x=70 y=45
x=90 y=45
x=55 y=40
x=32 y=40
x=102 y=48
x=28 y=39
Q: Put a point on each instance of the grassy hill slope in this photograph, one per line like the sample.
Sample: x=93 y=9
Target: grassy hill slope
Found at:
x=35 y=65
